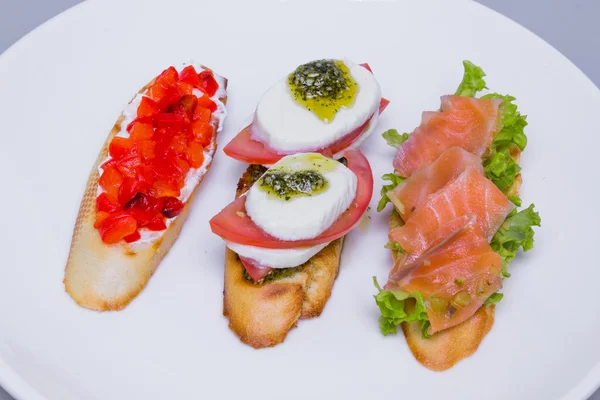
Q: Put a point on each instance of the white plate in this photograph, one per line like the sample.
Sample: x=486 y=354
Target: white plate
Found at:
x=63 y=86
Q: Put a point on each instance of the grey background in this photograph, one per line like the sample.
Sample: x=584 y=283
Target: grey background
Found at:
x=571 y=26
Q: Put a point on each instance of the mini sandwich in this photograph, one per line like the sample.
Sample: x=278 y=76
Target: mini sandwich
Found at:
x=455 y=224
x=140 y=190
x=284 y=234
x=324 y=106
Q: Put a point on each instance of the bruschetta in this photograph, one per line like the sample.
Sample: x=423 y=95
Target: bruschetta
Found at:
x=454 y=226
x=142 y=185
x=284 y=235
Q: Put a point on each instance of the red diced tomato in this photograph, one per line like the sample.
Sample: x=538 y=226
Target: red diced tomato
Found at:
x=135 y=236
x=147 y=107
x=203 y=132
x=185 y=88
x=105 y=203
x=207 y=83
x=128 y=165
x=183 y=166
x=120 y=147
x=188 y=105
x=110 y=179
x=146 y=149
x=141 y=131
x=163 y=188
x=195 y=153
x=100 y=217
x=156 y=92
x=178 y=144
x=169 y=121
x=202 y=114
x=158 y=224
x=129 y=189
x=172 y=207
x=114 y=228
x=206 y=102
x=168 y=77
x=189 y=75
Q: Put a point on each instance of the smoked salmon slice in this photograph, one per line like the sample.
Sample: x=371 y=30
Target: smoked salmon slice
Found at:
x=455 y=277
x=408 y=195
x=465 y=122
x=469 y=193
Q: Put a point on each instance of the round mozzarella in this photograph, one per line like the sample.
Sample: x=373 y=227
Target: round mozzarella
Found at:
x=287 y=126
x=303 y=217
x=277 y=258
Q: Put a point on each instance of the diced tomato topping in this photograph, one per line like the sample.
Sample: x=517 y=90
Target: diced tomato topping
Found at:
x=202 y=114
x=187 y=106
x=206 y=102
x=143 y=177
x=135 y=236
x=168 y=77
x=115 y=227
x=141 y=131
x=185 y=89
x=119 y=147
x=207 y=83
x=203 y=132
x=110 y=178
x=189 y=75
x=105 y=203
x=195 y=154
x=147 y=107
x=146 y=149
x=172 y=207
x=100 y=217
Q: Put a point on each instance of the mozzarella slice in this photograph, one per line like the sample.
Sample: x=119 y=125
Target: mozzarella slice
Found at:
x=277 y=258
x=287 y=126
x=303 y=217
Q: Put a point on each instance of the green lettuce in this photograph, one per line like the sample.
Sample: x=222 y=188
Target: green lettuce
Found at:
x=513 y=123
x=501 y=168
x=392 y=305
x=516 y=232
x=493 y=299
x=395 y=180
x=472 y=81
x=393 y=138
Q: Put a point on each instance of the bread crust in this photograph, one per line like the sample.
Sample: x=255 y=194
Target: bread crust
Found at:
x=446 y=348
x=108 y=277
x=263 y=314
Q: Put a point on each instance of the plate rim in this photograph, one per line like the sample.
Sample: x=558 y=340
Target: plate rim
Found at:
x=18 y=387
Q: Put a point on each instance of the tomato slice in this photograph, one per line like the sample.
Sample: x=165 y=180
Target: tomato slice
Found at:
x=255 y=269
x=233 y=225
x=244 y=148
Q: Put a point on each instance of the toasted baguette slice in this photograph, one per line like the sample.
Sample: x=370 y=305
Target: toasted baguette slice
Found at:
x=262 y=314
x=446 y=348
x=107 y=277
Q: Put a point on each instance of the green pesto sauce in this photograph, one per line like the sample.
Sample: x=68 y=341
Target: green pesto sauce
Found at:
x=287 y=185
x=323 y=87
x=275 y=275
x=295 y=176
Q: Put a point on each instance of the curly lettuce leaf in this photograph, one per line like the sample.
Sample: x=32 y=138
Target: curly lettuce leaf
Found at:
x=472 y=81
x=393 y=138
x=516 y=232
x=513 y=123
x=501 y=168
x=392 y=305
x=395 y=180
